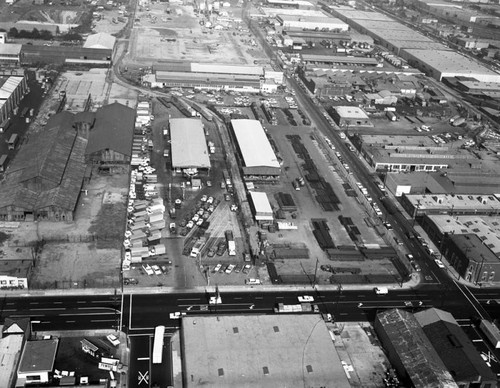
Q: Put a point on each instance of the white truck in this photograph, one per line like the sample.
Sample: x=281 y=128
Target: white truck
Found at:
x=231 y=245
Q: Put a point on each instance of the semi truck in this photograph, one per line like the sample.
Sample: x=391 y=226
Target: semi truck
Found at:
x=231 y=245
x=391 y=115
x=158 y=344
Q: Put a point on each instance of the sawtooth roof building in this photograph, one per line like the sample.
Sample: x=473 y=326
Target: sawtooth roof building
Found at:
x=433 y=58
x=259 y=160
x=189 y=147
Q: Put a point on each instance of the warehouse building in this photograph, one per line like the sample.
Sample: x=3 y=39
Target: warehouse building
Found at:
x=10 y=54
x=37 y=362
x=292 y=22
x=339 y=60
x=418 y=205
x=292 y=351
x=443 y=63
x=12 y=91
x=409 y=350
x=259 y=161
x=189 y=146
x=455 y=349
x=412 y=153
x=350 y=116
x=100 y=41
x=109 y=137
x=472 y=258
x=261 y=207
x=67 y=55
x=45 y=179
x=11 y=347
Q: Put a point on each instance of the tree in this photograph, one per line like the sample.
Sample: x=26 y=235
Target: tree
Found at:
x=13 y=32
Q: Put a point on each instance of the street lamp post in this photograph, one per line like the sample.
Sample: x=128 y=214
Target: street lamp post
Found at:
x=31 y=327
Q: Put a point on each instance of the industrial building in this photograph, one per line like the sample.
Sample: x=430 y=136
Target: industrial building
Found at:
x=100 y=40
x=350 y=116
x=440 y=228
x=10 y=54
x=411 y=153
x=67 y=55
x=296 y=4
x=443 y=63
x=292 y=351
x=473 y=260
x=418 y=205
x=259 y=161
x=433 y=58
x=339 y=60
x=261 y=207
x=12 y=91
x=11 y=347
x=240 y=78
x=204 y=81
x=44 y=180
x=410 y=351
x=189 y=146
x=37 y=362
x=293 y=22
x=109 y=136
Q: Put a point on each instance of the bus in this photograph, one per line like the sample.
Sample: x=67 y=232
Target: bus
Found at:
x=14 y=139
x=158 y=344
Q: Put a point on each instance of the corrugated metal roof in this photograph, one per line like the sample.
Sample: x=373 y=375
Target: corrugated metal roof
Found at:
x=254 y=144
x=189 y=147
x=9 y=87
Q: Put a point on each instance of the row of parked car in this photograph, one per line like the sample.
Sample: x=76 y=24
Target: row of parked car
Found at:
x=229 y=268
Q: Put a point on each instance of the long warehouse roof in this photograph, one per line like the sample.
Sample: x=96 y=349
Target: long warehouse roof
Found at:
x=254 y=144
x=189 y=148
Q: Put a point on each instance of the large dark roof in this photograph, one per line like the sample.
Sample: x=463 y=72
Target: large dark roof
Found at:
x=54 y=157
x=113 y=129
x=454 y=347
x=414 y=350
x=38 y=356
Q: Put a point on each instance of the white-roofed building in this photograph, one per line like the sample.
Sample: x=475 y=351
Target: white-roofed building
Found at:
x=296 y=22
x=10 y=53
x=438 y=64
x=258 y=157
x=262 y=209
x=101 y=41
x=350 y=116
x=12 y=91
x=189 y=147
x=10 y=348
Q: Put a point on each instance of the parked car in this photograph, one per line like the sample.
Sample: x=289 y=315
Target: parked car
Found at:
x=305 y=298
x=230 y=268
x=439 y=263
x=247 y=268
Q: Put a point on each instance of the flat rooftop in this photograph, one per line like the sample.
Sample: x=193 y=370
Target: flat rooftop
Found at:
x=10 y=350
x=487 y=228
x=355 y=14
x=351 y=112
x=339 y=59
x=38 y=356
x=189 y=147
x=260 y=351
x=291 y=11
x=450 y=62
x=397 y=140
x=455 y=201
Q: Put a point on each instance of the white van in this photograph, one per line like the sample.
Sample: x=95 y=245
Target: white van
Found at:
x=253 y=281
